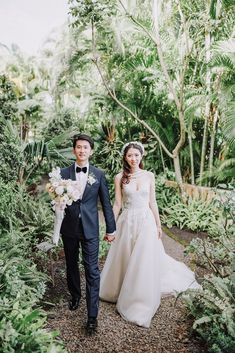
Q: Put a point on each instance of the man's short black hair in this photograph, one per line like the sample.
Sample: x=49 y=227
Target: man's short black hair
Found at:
x=83 y=137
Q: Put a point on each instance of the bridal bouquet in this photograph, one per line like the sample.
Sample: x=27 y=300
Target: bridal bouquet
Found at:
x=62 y=192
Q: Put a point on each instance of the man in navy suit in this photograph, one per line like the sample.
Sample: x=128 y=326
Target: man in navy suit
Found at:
x=80 y=227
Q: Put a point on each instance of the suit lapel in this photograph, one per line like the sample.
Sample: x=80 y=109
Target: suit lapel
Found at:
x=72 y=175
x=88 y=186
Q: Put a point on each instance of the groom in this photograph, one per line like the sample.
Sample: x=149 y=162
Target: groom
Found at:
x=80 y=227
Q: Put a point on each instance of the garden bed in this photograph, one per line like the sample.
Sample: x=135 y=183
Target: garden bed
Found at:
x=183 y=236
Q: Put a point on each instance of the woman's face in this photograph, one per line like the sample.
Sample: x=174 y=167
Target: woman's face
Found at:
x=133 y=157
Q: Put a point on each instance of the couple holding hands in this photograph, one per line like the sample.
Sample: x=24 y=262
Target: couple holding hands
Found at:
x=137 y=271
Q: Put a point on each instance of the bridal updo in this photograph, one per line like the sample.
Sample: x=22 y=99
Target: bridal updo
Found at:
x=126 y=175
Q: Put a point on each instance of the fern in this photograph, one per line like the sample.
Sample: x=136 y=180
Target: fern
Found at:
x=214 y=311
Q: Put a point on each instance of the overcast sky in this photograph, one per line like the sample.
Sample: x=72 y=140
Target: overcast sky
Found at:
x=28 y=22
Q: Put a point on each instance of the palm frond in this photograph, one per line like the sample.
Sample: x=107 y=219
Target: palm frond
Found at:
x=228 y=122
x=222 y=61
x=227 y=164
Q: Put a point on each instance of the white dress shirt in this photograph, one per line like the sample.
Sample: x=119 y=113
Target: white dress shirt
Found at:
x=82 y=178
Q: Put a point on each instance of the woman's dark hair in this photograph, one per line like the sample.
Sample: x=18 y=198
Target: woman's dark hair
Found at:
x=83 y=137
x=126 y=168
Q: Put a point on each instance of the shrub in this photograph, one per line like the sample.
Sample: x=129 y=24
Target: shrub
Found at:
x=213 y=307
x=214 y=311
x=25 y=220
x=196 y=215
x=22 y=286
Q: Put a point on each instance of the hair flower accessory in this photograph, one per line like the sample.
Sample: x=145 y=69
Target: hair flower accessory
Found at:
x=133 y=143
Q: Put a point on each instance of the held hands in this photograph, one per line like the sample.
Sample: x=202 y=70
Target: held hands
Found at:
x=109 y=238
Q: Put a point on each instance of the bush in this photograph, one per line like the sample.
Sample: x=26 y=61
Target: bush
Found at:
x=213 y=307
x=196 y=215
x=164 y=194
x=214 y=310
x=10 y=154
x=8 y=205
x=25 y=221
x=18 y=210
x=22 y=286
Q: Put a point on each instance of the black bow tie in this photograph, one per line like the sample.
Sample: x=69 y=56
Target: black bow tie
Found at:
x=78 y=169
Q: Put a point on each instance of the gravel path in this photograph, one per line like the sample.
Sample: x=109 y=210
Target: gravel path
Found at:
x=170 y=331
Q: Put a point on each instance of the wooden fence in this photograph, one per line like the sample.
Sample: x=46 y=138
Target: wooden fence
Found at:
x=198 y=192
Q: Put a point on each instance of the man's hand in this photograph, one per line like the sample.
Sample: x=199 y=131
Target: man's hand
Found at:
x=109 y=238
x=160 y=233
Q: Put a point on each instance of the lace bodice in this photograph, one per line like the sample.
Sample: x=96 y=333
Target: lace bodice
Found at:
x=136 y=194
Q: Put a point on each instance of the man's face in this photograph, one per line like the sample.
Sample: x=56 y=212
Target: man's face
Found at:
x=82 y=151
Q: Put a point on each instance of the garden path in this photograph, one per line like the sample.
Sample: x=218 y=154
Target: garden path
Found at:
x=170 y=331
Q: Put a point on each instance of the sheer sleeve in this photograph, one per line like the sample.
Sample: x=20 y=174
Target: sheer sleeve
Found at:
x=152 y=201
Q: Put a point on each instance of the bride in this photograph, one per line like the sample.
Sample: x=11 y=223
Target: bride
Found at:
x=137 y=271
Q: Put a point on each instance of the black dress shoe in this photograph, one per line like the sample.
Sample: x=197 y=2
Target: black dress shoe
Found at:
x=91 y=326
x=74 y=303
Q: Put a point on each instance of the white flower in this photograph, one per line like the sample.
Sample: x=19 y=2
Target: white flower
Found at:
x=55 y=174
x=75 y=195
x=69 y=189
x=59 y=190
x=63 y=191
x=55 y=184
x=91 y=179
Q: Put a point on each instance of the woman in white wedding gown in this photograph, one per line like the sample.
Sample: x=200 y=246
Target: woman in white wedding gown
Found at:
x=137 y=271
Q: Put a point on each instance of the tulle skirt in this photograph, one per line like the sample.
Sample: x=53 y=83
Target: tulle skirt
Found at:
x=137 y=271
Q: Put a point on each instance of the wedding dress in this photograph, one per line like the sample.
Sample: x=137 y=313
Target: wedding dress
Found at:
x=137 y=271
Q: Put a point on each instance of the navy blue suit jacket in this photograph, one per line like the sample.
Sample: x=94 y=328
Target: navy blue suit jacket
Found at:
x=88 y=205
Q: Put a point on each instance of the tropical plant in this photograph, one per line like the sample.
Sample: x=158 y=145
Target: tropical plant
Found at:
x=22 y=324
x=193 y=214
x=132 y=72
x=213 y=307
x=8 y=98
x=213 y=310
x=24 y=221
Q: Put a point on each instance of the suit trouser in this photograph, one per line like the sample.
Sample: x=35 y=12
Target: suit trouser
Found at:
x=90 y=249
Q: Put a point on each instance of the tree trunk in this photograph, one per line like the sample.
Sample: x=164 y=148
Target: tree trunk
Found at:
x=212 y=144
x=204 y=142
x=208 y=90
x=172 y=90
x=191 y=157
x=178 y=175
x=162 y=158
